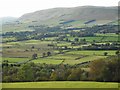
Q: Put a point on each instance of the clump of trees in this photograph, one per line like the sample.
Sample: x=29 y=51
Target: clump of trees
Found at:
x=34 y=56
x=105 y=53
x=105 y=70
x=46 y=54
x=100 y=70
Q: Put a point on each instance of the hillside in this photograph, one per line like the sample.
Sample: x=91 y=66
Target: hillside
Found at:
x=70 y=17
x=77 y=13
x=5 y=20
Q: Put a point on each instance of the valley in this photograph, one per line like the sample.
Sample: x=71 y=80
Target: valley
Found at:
x=70 y=47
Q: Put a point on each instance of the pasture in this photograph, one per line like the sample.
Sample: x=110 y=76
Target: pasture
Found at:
x=22 y=51
x=63 y=84
x=98 y=38
x=15 y=60
x=72 y=57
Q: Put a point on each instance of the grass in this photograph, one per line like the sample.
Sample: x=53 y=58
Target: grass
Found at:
x=93 y=52
x=85 y=59
x=62 y=84
x=108 y=34
x=67 y=60
x=72 y=57
x=18 y=49
x=47 y=61
x=108 y=37
x=15 y=60
x=13 y=50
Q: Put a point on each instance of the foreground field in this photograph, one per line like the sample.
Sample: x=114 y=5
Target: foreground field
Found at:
x=65 y=84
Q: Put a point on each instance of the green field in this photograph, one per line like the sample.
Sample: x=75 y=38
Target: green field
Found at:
x=15 y=60
x=72 y=57
x=108 y=37
x=47 y=61
x=93 y=52
x=98 y=38
x=64 y=84
x=15 y=51
x=85 y=59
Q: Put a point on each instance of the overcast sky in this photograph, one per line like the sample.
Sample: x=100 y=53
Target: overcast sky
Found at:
x=16 y=8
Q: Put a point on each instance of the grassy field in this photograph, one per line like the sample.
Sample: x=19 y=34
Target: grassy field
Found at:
x=15 y=60
x=47 y=61
x=108 y=34
x=93 y=52
x=108 y=37
x=18 y=49
x=58 y=84
x=55 y=60
x=72 y=57
x=85 y=59
x=21 y=51
x=98 y=38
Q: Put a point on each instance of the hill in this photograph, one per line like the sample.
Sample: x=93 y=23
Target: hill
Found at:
x=70 y=17
x=77 y=14
x=5 y=20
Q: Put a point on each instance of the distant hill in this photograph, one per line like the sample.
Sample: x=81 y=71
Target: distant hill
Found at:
x=7 y=19
x=84 y=13
x=67 y=17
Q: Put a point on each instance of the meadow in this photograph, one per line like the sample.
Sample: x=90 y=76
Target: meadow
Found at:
x=72 y=57
x=21 y=51
x=63 y=84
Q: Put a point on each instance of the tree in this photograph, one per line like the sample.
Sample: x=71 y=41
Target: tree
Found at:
x=34 y=56
x=76 y=39
x=65 y=47
x=105 y=69
x=96 y=67
x=26 y=72
x=53 y=76
x=105 y=53
x=61 y=51
x=117 y=52
x=111 y=70
x=72 y=43
x=83 y=40
x=32 y=47
x=5 y=63
x=66 y=39
x=94 y=41
x=75 y=75
x=43 y=55
x=107 y=44
x=48 y=53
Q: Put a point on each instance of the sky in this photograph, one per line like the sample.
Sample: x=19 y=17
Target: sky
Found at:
x=17 y=8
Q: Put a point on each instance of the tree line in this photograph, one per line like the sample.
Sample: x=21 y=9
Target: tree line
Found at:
x=104 y=70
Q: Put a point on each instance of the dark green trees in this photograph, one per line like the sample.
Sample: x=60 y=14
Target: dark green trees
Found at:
x=105 y=70
x=34 y=56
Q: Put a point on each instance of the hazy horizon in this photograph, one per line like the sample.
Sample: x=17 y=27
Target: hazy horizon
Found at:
x=16 y=8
